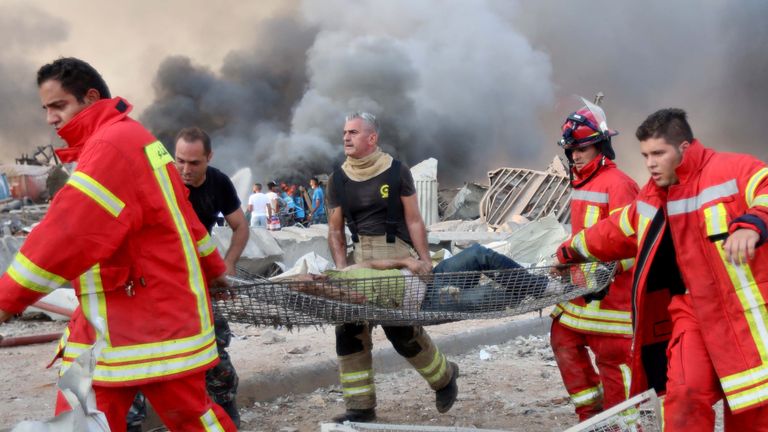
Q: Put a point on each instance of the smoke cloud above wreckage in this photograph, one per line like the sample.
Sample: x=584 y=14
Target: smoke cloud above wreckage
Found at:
x=476 y=85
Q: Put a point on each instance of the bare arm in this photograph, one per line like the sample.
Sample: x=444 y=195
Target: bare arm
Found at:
x=317 y=285
x=416 y=228
x=240 y=233
x=412 y=264
x=337 y=240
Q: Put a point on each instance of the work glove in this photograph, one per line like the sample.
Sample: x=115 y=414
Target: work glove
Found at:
x=567 y=255
x=597 y=295
x=604 y=275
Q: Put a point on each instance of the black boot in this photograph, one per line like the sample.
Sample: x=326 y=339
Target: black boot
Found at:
x=446 y=396
x=231 y=409
x=356 y=416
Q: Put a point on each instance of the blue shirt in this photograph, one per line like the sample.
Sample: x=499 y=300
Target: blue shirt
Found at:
x=318 y=195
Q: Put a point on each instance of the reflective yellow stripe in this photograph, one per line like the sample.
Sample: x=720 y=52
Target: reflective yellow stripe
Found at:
x=358 y=391
x=590 y=311
x=31 y=276
x=205 y=246
x=356 y=376
x=579 y=243
x=755 y=313
x=153 y=369
x=94 y=190
x=645 y=213
x=752 y=185
x=625 y=224
x=591 y=216
x=587 y=397
x=158 y=155
x=159 y=159
x=581 y=323
x=92 y=300
x=432 y=372
x=210 y=422
x=627 y=264
x=626 y=378
x=760 y=200
x=747 y=398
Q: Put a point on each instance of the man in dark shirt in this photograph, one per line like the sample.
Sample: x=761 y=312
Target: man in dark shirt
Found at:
x=211 y=192
x=367 y=190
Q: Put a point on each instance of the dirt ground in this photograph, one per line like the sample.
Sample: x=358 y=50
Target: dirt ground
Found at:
x=514 y=386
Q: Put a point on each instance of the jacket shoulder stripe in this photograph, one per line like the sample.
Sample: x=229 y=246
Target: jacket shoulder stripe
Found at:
x=97 y=192
x=711 y=193
x=594 y=197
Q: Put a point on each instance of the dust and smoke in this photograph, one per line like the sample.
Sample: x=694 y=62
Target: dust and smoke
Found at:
x=476 y=84
x=23 y=28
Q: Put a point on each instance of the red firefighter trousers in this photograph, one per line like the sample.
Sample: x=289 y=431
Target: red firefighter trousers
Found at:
x=692 y=384
x=183 y=404
x=591 y=391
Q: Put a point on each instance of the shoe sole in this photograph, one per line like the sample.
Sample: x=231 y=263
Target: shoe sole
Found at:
x=454 y=379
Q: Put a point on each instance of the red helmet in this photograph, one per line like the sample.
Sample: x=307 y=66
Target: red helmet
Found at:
x=584 y=128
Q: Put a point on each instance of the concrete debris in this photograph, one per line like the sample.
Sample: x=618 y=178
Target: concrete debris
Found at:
x=64 y=298
x=296 y=242
x=425 y=180
x=477 y=225
x=299 y=349
x=533 y=194
x=9 y=245
x=269 y=337
x=260 y=253
x=533 y=243
x=465 y=205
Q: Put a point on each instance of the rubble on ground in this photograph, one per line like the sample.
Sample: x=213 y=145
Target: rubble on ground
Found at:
x=465 y=205
x=517 y=388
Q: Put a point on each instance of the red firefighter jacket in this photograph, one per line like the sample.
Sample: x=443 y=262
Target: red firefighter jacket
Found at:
x=717 y=194
x=608 y=190
x=124 y=233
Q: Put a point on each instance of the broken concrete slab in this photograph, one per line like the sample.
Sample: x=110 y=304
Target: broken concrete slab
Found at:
x=296 y=242
x=260 y=253
x=465 y=205
x=534 y=243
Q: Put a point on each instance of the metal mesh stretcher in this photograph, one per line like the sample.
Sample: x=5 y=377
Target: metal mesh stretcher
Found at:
x=406 y=299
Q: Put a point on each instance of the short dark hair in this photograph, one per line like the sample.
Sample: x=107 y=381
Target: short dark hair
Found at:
x=257 y=186
x=314 y=179
x=271 y=185
x=192 y=134
x=669 y=123
x=75 y=76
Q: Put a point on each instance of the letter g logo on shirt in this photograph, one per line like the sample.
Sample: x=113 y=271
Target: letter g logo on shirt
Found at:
x=384 y=191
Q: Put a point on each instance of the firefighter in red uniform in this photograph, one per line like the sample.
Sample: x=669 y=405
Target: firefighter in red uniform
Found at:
x=124 y=233
x=601 y=323
x=701 y=278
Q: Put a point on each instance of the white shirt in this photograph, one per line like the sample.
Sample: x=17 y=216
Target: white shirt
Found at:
x=258 y=202
x=272 y=199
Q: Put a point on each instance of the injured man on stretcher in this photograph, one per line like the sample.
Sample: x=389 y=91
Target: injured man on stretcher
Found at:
x=477 y=279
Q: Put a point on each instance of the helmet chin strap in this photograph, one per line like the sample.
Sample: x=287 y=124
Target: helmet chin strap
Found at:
x=586 y=180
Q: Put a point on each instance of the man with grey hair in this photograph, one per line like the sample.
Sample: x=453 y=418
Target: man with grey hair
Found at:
x=375 y=195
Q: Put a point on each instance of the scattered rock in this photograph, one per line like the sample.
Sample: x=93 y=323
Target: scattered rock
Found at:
x=299 y=350
x=269 y=337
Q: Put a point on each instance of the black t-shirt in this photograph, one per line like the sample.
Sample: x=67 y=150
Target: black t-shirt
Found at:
x=216 y=194
x=367 y=201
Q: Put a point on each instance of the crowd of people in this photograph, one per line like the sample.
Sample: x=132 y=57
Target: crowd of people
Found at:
x=686 y=315
x=282 y=204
